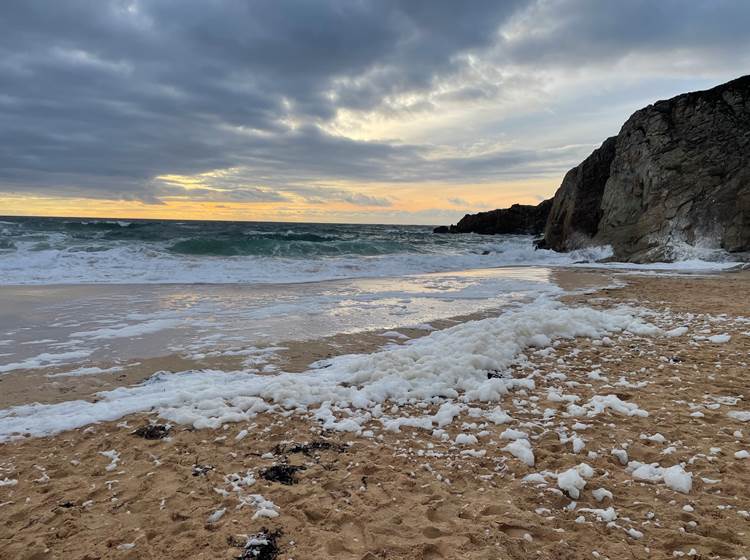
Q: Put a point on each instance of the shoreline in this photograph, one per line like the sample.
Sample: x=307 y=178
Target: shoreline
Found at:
x=697 y=267
x=412 y=494
x=50 y=384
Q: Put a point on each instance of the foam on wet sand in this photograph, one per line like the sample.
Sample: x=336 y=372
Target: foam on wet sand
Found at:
x=424 y=429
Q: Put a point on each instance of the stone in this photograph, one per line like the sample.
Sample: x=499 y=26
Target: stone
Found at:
x=576 y=206
x=674 y=183
x=518 y=219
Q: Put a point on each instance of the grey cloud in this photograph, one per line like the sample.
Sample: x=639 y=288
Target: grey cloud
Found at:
x=123 y=91
x=100 y=97
x=572 y=32
x=245 y=194
x=314 y=194
x=359 y=199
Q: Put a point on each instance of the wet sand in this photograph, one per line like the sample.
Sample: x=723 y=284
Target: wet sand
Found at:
x=408 y=495
x=51 y=384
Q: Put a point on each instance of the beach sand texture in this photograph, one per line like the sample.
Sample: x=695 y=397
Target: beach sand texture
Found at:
x=104 y=492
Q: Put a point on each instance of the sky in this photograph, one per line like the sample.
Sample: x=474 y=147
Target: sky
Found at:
x=379 y=111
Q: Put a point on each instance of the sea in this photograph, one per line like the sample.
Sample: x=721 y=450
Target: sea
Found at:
x=82 y=298
x=78 y=251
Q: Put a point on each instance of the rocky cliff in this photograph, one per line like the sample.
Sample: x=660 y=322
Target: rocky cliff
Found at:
x=676 y=177
x=518 y=219
x=576 y=207
x=680 y=177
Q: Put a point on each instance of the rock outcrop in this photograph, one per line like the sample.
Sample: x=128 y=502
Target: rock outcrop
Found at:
x=676 y=178
x=518 y=219
x=680 y=177
x=576 y=207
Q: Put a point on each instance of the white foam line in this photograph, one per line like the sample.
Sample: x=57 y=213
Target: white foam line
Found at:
x=83 y=371
x=451 y=364
x=45 y=360
x=128 y=331
x=143 y=263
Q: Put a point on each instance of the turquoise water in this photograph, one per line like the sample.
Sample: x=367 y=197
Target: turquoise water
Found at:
x=221 y=239
x=67 y=250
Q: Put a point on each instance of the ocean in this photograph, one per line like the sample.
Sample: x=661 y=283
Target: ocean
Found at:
x=76 y=251
x=88 y=305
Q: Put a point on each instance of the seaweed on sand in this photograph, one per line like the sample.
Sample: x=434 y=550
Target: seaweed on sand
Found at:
x=261 y=546
x=308 y=448
x=153 y=431
x=282 y=473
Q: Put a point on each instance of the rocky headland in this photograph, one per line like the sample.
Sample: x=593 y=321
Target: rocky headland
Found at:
x=676 y=179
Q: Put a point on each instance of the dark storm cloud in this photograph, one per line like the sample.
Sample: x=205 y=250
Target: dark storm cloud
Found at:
x=100 y=97
x=571 y=32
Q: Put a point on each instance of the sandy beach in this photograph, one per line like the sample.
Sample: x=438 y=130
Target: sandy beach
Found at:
x=104 y=492
x=322 y=279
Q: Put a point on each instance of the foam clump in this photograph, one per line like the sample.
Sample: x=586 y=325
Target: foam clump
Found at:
x=573 y=480
x=449 y=366
x=521 y=449
x=675 y=477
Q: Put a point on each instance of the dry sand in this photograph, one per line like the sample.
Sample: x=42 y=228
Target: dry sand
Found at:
x=409 y=495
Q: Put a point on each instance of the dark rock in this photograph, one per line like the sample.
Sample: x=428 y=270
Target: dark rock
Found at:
x=441 y=229
x=152 y=431
x=677 y=175
x=518 y=219
x=282 y=473
x=576 y=207
x=681 y=175
x=260 y=546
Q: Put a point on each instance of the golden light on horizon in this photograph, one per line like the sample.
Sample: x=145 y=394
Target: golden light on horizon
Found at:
x=409 y=203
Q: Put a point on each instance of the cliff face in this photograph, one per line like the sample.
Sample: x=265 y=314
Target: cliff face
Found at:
x=518 y=219
x=576 y=207
x=677 y=175
x=681 y=175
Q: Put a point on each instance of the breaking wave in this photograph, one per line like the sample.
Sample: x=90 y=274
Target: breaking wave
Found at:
x=70 y=251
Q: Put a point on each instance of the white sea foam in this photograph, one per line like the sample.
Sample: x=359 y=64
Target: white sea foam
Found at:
x=204 y=321
x=140 y=263
x=675 y=477
x=45 y=360
x=447 y=365
x=84 y=371
x=128 y=331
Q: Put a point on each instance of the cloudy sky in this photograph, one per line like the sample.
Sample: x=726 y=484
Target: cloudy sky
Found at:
x=411 y=111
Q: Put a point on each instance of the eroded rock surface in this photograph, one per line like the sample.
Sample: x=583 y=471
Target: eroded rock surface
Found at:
x=680 y=177
x=518 y=219
x=674 y=183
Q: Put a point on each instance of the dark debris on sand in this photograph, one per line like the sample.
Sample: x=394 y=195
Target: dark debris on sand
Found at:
x=308 y=449
x=202 y=470
x=261 y=546
x=153 y=431
x=282 y=473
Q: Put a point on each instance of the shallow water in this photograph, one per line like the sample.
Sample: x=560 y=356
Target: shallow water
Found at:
x=43 y=326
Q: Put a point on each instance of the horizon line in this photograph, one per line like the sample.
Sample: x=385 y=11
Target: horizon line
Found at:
x=114 y=218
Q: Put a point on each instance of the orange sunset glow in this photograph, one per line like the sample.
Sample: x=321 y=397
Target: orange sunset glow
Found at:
x=417 y=204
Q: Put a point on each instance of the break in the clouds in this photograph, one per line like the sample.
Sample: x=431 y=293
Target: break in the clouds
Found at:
x=282 y=101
